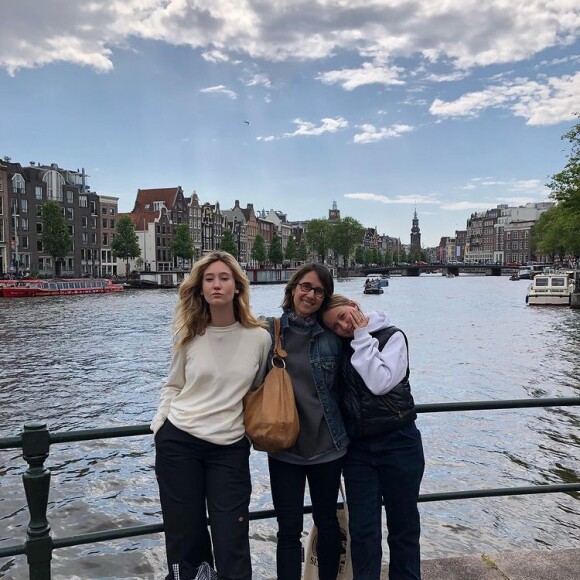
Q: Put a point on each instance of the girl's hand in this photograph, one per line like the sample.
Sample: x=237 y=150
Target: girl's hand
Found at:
x=358 y=319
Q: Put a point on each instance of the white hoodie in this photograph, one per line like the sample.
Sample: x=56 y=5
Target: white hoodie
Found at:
x=380 y=370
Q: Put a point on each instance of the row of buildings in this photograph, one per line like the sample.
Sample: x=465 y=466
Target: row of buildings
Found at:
x=501 y=235
x=92 y=218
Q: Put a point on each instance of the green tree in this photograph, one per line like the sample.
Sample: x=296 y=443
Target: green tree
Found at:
x=368 y=257
x=125 y=243
x=228 y=244
x=291 y=249
x=275 y=253
x=318 y=237
x=359 y=255
x=345 y=235
x=303 y=251
x=182 y=244
x=259 y=249
x=556 y=233
x=565 y=185
x=56 y=240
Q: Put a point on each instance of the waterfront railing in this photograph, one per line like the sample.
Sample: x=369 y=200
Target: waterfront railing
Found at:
x=35 y=441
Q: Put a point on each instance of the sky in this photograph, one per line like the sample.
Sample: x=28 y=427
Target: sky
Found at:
x=446 y=107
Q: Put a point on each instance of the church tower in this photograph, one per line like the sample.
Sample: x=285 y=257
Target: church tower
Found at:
x=334 y=213
x=415 y=235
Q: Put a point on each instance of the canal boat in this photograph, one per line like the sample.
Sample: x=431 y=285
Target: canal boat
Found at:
x=552 y=288
x=70 y=287
x=373 y=287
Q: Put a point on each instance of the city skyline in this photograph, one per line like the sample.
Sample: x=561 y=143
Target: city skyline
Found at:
x=449 y=107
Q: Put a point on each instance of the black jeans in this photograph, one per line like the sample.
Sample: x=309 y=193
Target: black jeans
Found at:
x=387 y=467
x=288 y=482
x=190 y=473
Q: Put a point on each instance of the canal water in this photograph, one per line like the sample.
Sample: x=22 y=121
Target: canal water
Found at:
x=99 y=361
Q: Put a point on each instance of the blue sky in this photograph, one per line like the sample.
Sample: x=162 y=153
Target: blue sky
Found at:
x=449 y=106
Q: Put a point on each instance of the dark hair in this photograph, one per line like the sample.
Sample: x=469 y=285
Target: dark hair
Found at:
x=323 y=274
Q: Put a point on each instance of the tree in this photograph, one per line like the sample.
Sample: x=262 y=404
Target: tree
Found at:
x=259 y=249
x=359 y=255
x=565 y=185
x=228 y=244
x=182 y=244
x=56 y=241
x=291 y=249
x=303 y=251
x=345 y=235
x=318 y=237
x=125 y=243
x=555 y=234
x=275 y=254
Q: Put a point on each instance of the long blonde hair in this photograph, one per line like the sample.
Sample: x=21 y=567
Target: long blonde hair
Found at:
x=337 y=300
x=192 y=314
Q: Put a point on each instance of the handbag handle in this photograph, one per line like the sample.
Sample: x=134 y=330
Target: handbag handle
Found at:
x=278 y=350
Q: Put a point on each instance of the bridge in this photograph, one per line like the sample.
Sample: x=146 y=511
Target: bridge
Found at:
x=487 y=269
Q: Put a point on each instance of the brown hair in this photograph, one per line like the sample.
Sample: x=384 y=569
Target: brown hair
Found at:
x=323 y=274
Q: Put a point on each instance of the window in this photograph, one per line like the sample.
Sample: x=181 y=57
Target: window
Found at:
x=112 y=224
x=93 y=222
x=83 y=202
x=24 y=206
x=41 y=264
x=84 y=238
x=1 y=230
x=69 y=196
x=84 y=221
x=71 y=230
x=104 y=210
x=25 y=243
x=112 y=211
x=38 y=192
x=1 y=183
x=93 y=208
x=24 y=223
x=105 y=239
x=54 y=185
x=70 y=213
x=105 y=222
x=38 y=227
x=18 y=183
x=1 y=206
x=38 y=211
x=39 y=246
x=93 y=238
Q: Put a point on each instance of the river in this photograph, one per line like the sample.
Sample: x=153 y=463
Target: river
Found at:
x=99 y=361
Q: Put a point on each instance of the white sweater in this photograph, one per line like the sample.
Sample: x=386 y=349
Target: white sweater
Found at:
x=380 y=370
x=208 y=379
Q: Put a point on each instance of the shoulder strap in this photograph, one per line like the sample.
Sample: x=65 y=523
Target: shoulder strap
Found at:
x=278 y=350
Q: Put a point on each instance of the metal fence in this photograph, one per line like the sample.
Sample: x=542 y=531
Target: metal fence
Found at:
x=35 y=441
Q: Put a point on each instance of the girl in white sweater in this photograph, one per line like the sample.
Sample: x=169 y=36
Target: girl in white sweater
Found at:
x=202 y=454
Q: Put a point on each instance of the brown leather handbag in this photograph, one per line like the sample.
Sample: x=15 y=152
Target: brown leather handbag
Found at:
x=270 y=415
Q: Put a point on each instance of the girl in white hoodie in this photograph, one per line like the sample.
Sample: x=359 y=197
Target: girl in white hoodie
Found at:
x=385 y=460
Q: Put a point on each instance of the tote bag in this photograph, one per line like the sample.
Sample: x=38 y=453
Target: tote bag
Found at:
x=311 y=555
x=270 y=415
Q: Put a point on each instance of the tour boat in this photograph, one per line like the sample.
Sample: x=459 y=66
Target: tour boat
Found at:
x=552 y=288
x=373 y=287
x=68 y=287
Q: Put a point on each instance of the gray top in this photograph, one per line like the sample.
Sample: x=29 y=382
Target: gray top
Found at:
x=314 y=443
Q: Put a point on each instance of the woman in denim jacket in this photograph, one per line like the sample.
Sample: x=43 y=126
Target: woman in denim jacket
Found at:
x=317 y=455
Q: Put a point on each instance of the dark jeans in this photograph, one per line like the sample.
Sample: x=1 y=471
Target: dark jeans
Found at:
x=389 y=468
x=190 y=473
x=288 y=482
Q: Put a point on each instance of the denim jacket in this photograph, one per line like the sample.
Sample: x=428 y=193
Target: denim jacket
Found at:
x=325 y=355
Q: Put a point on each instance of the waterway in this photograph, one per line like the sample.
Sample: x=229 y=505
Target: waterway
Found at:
x=99 y=361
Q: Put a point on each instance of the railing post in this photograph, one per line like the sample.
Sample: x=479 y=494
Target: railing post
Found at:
x=38 y=545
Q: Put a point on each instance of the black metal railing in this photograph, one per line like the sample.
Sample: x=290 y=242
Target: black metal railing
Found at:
x=35 y=441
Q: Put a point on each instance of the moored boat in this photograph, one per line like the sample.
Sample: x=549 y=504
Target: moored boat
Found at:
x=552 y=288
x=70 y=287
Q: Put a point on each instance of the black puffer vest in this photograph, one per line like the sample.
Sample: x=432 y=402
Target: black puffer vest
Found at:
x=366 y=414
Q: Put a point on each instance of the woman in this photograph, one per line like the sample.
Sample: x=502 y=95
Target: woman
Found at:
x=385 y=460
x=202 y=454
x=317 y=455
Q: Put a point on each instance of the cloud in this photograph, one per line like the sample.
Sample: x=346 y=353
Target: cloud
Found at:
x=540 y=103
x=351 y=79
x=326 y=126
x=258 y=79
x=467 y=205
x=462 y=34
x=220 y=89
x=400 y=199
x=370 y=134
